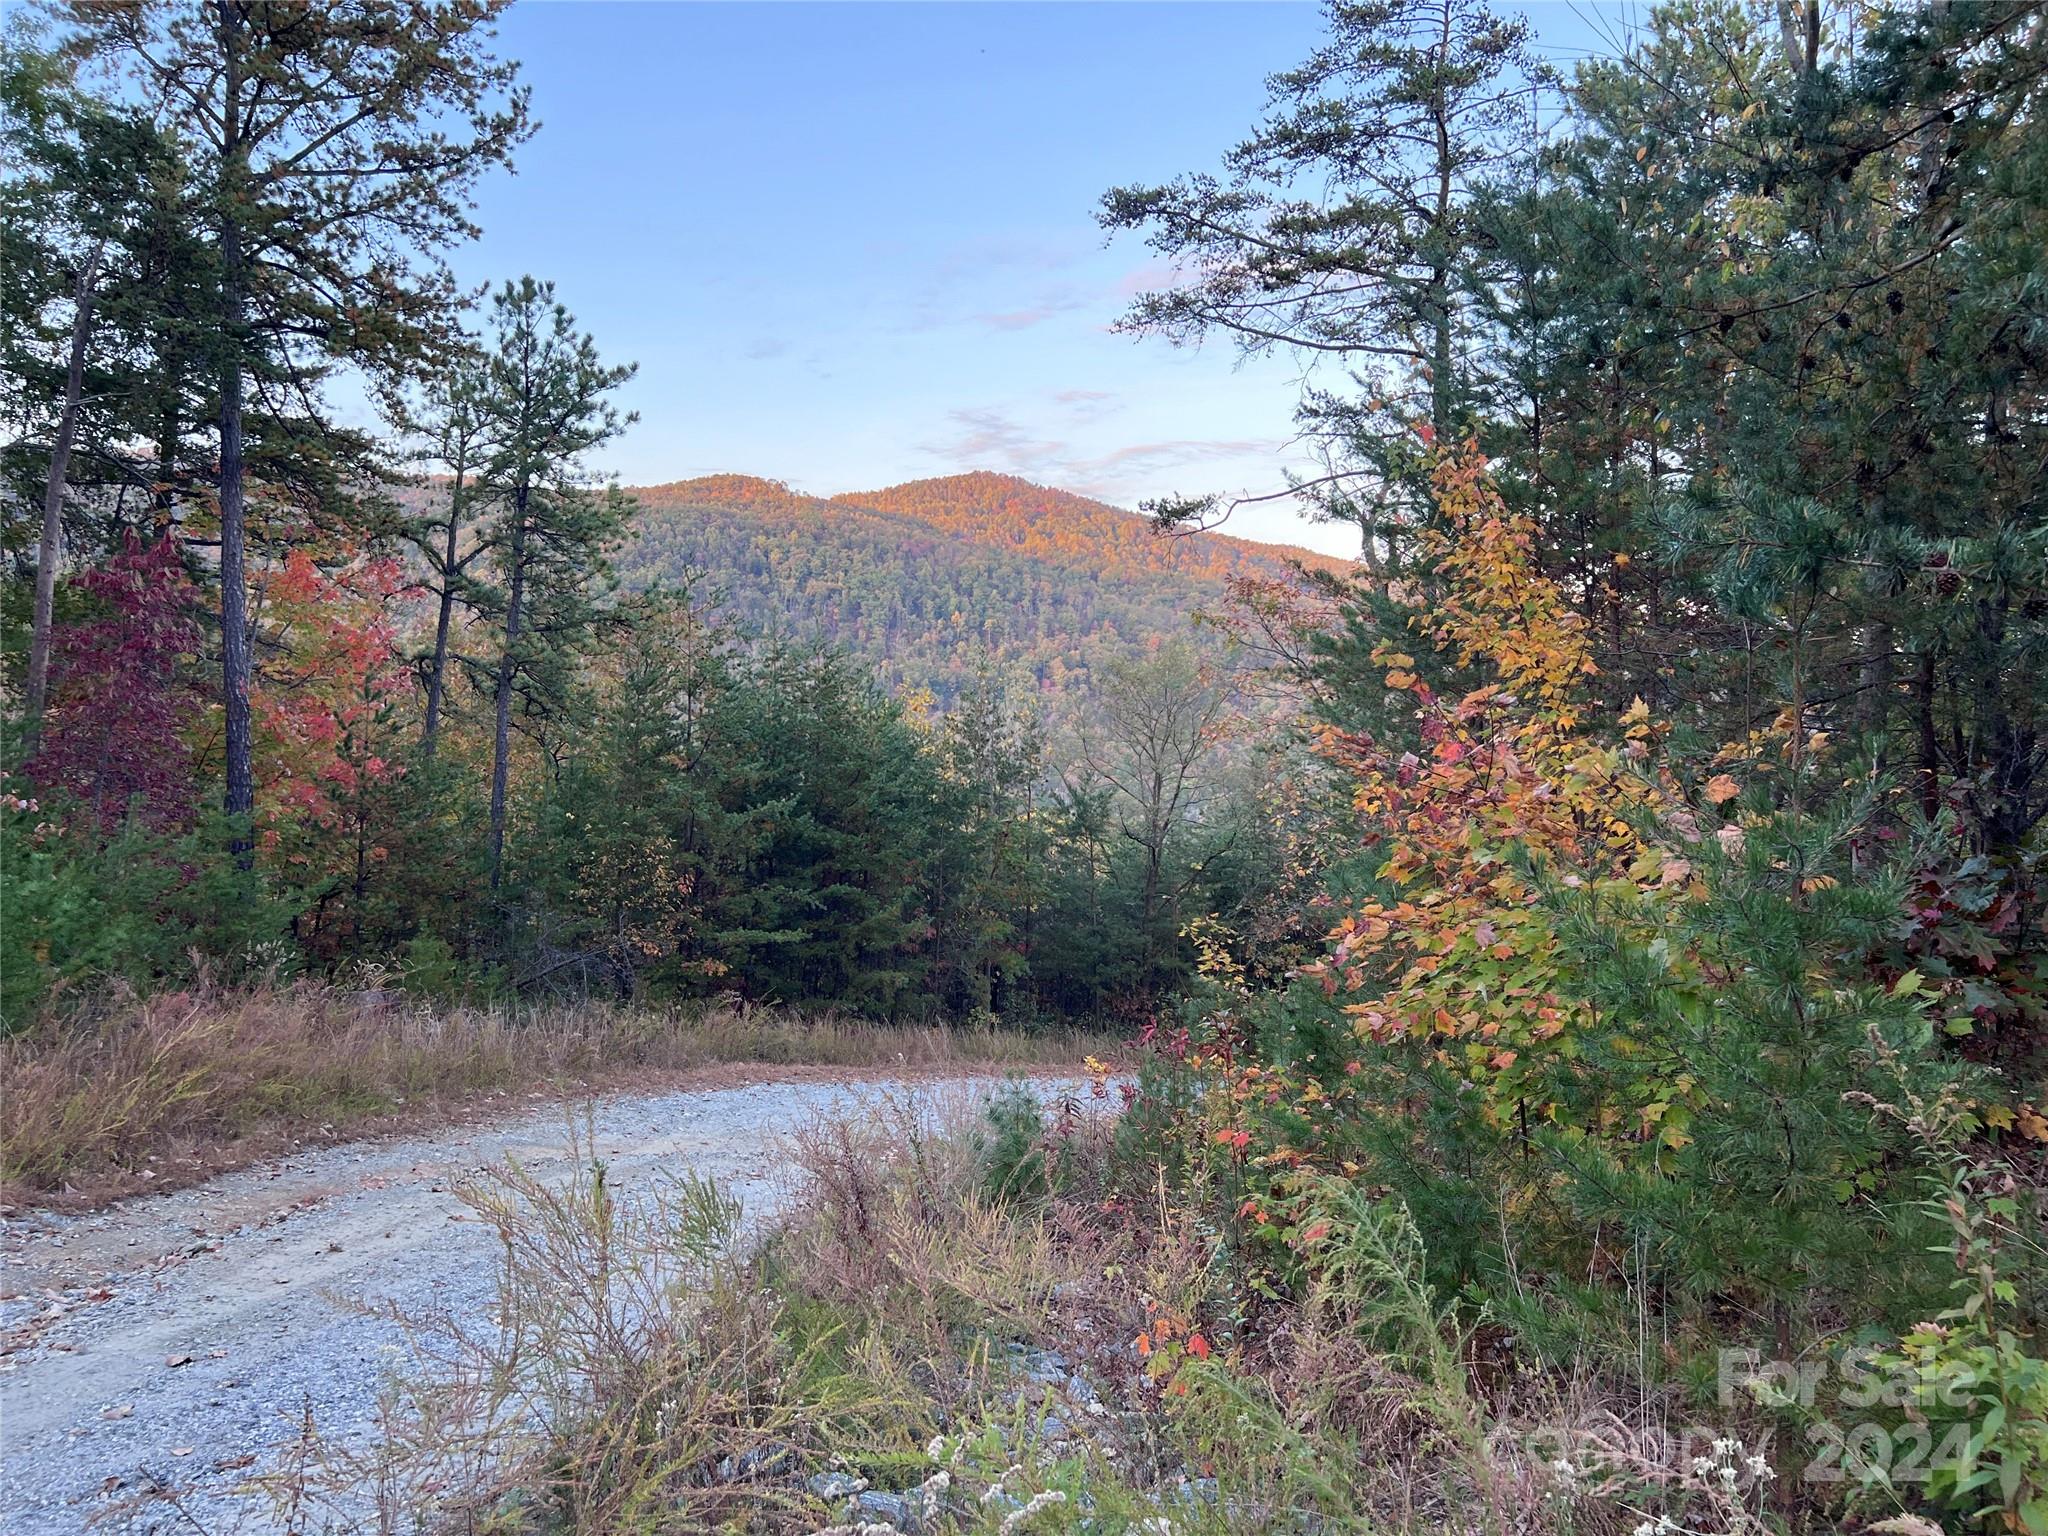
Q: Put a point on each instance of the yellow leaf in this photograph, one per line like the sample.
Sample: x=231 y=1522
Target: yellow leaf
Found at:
x=1721 y=789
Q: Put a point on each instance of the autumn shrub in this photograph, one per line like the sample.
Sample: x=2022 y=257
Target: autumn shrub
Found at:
x=1621 y=1026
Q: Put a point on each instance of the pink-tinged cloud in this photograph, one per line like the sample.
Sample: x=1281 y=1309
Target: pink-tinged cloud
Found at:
x=1151 y=277
x=1019 y=319
x=992 y=438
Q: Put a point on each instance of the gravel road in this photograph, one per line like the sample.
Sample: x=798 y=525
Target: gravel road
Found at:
x=160 y=1344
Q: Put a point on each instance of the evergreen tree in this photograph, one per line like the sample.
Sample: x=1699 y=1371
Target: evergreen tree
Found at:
x=322 y=140
x=642 y=841
x=845 y=799
x=990 y=868
x=1342 y=229
x=543 y=404
x=454 y=432
x=81 y=213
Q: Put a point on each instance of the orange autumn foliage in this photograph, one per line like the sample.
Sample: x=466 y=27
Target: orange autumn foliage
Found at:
x=1511 y=788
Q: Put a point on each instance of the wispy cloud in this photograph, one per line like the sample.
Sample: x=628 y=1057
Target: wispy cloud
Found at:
x=998 y=282
x=1022 y=319
x=993 y=437
x=1087 y=405
x=1178 y=452
x=1151 y=277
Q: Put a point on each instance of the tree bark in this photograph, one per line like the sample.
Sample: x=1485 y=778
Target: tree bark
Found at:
x=1441 y=352
x=234 y=598
x=437 y=676
x=1929 y=749
x=501 y=749
x=50 y=549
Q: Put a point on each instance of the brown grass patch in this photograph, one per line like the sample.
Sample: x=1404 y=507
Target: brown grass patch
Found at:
x=156 y=1092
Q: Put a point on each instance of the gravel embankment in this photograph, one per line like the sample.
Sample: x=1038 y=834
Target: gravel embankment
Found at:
x=161 y=1344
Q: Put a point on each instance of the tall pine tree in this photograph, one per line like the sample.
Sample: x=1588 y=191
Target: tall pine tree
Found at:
x=336 y=146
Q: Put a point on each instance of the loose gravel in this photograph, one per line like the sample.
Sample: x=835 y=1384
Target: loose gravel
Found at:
x=157 y=1355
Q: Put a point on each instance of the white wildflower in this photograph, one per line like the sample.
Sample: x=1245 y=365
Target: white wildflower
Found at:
x=1038 y=1501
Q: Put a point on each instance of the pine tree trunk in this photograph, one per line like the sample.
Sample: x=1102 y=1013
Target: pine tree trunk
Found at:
x=1441 y=356
x=234 y=597
x=437 y=676
x=501 y=750
x=163 y=500
x=1929 y=742
x=49 y=550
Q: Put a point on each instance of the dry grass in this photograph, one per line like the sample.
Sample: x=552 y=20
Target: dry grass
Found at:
x=649 y=1364
x=150 y=1092
x=647 y=1368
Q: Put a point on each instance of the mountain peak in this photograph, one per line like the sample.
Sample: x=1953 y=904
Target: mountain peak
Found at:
x=727 y=489
x=971 y=481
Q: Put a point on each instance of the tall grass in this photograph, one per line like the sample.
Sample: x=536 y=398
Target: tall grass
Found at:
x=194 y=1079
x=915 y=1329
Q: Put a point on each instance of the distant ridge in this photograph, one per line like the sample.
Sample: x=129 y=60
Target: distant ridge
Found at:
x=1026 y=515
x=932 y=580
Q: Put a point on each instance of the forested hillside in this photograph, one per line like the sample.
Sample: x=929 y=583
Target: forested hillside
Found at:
x=935 y=581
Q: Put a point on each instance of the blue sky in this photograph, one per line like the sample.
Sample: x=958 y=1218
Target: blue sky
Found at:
x=853 y=244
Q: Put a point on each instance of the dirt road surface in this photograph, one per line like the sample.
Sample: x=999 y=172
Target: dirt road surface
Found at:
x=171 y=1345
